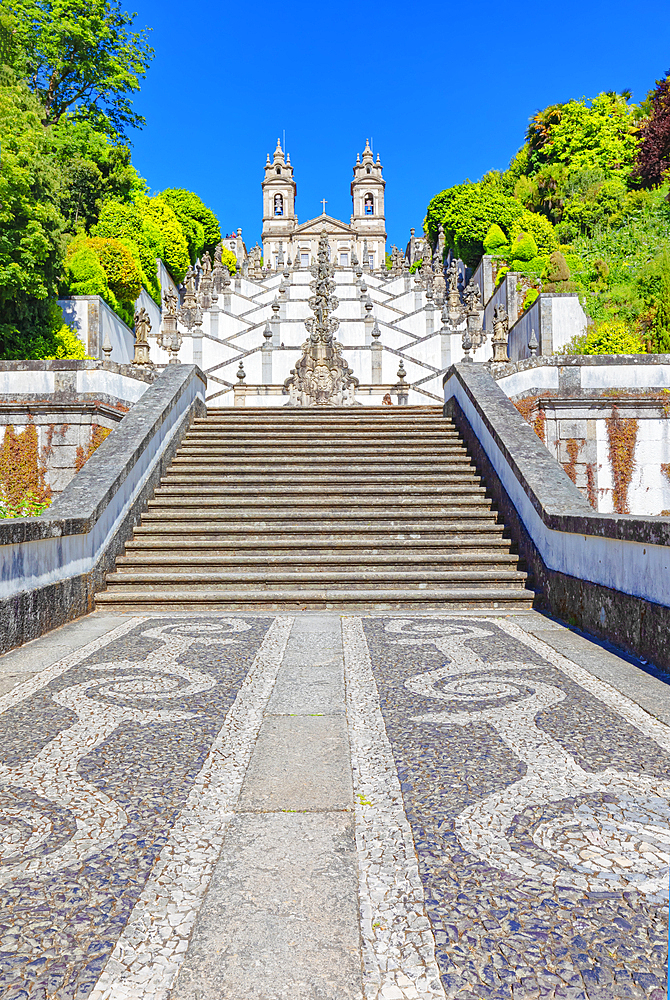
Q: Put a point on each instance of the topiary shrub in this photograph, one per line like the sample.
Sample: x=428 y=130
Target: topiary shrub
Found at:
x=557 y=274
x=495 y=241
x=500 y=275
x=524 y=248
x=84 y=274
x=537 y=226
x=120 y=266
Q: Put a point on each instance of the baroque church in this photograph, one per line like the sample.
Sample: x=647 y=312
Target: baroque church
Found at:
x=284 y=237
x=384 y=333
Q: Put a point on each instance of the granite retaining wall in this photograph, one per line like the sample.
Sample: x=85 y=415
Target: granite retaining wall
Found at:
x=607 y=573
x=51 y=566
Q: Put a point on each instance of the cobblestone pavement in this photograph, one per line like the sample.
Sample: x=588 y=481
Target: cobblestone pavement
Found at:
x=387 y=807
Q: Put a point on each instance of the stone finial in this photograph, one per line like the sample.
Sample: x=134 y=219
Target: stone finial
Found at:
x=241 y=374
x=107 y=348
x=376 y=332
x=401 y=388
x=532 y=343
x=368 y=305
x=267 y=333
x=275 y=307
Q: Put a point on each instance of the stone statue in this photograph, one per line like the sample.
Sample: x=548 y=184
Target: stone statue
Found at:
x=499 y=339
x=142 y=331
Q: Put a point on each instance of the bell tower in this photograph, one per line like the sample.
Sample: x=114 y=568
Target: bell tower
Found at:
x=279 y=194
x=367 y=192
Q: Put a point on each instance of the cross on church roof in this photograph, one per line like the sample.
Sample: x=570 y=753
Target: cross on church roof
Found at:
x=324 y=202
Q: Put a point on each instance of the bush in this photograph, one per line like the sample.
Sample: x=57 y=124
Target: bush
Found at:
x=84 y=274
x=228 y=259
x=530 y=297
x=468 y=212
x=122 y=275
x=495 y=241
x=139 y=235
x=608 y=337
x=68 y=345
x=175 y=248
x=200 y=225
x=524 y=248
x=537 y=226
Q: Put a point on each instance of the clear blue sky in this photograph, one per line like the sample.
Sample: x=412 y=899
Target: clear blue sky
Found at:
x=445 y=92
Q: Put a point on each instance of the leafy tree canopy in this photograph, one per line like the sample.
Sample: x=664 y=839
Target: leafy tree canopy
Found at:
x=82 y=58
x=653 y=159
x=200 y=225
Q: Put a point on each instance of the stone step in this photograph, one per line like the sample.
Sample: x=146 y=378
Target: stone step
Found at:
x=355 y=492
x=367 y=547
x=313 y=520
x=314 y=598
x=330 y=576
x=368 y=533
x=390 y=480
x=261 y=438
x=343 y=450
x=429 y=559
x=194 y=504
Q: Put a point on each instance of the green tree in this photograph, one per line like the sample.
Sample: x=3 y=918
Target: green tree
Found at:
x=600 y=134
x=82 y=58
x=30 y=229
x=199 y=224
x=138 y=233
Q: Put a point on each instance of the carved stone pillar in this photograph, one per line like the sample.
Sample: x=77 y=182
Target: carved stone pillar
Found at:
x=266 y=357
x=376 y=352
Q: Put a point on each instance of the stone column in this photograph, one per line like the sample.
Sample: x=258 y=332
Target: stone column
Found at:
x=376 y=353
x=275 y=324
x=369 y=320
x=487 y=278
x=418 y=296
x=266 y=356
x=197 y=346
x=214 y=318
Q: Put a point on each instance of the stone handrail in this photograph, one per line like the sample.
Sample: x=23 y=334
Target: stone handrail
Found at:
x=51 y=566
x=609 y=573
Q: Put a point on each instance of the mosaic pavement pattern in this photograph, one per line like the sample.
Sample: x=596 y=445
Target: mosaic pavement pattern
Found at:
x=512 y=811
x=101 y=754
x=538 y=800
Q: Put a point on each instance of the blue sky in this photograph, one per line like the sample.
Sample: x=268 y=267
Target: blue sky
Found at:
x=445 y=93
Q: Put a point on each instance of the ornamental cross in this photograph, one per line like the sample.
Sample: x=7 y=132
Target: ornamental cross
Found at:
x=324 y=202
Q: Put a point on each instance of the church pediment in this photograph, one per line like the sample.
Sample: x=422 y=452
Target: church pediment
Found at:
x=313 y=227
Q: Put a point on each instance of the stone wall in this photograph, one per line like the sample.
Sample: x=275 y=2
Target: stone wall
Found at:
x=93 y=320
x=607 y=573
x=51 y=566
x=66 y=401
x=556 y=317
x=605 y=419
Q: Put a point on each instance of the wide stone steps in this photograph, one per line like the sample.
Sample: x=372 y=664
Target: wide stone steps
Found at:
x=332 y=508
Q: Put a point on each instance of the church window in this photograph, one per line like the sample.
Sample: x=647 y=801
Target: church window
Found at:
x=371 y=261
x=279 y=205
x=369 y=170
x=369 y=205
x=278 y=170
x=344 y=260
x=304 y=259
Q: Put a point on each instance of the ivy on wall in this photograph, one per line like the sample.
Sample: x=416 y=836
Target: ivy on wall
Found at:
x=24 y=491
x=622 y=437
x=98 y=435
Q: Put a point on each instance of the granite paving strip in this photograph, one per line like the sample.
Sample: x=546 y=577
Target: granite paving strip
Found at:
x=397 y=939
x=538 y=801
x=108 y=760
x=280 y=920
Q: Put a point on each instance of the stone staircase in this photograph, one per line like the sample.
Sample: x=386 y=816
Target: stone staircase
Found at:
x=372 y=507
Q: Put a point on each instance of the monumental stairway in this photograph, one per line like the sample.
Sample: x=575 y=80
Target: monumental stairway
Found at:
x=319 y=508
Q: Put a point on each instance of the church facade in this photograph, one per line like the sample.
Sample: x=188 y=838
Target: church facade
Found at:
x=363 y=238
